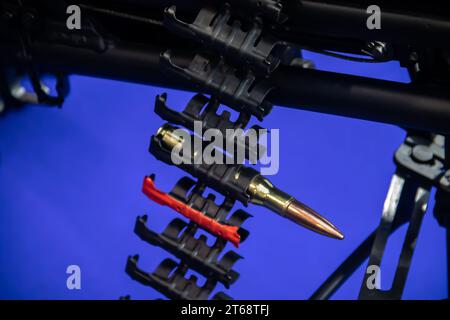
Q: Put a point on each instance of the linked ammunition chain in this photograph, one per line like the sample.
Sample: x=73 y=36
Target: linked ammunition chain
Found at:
x=233 y=67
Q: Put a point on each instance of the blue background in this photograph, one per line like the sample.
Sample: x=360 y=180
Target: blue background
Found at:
x=70 y=185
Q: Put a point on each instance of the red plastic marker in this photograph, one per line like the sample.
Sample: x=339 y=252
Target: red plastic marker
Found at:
x=226 y=232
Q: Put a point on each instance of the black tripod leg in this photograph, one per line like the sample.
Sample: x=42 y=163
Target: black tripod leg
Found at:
x=348 y=267
x=403 y=192
x=442 y=215
x=345 y=270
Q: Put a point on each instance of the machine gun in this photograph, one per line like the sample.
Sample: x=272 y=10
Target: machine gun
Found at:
x=247 y=55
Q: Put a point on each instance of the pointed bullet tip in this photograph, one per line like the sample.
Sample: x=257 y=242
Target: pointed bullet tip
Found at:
x=334 y=232
x=307 y=217
x=338 y=235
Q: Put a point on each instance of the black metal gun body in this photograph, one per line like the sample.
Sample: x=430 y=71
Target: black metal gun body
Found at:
x=124 y=40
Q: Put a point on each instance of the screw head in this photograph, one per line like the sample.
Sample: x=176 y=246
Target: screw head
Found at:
x=377 y=49
x=422 y=154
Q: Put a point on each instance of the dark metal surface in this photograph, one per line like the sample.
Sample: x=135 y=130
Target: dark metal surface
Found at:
x=417 y=37
x=399 y=26
x=170 y=279
x=422 y=162
x=424 y=24
x=394 y=202
x=205 y=111
x=398 y=210
x=242 y=92
x=211 y=28
x=193 y=251
x=125 y=55
x=406 y=105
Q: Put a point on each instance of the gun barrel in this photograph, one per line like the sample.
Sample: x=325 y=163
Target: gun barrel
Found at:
x=426 y=24
x=407 y=105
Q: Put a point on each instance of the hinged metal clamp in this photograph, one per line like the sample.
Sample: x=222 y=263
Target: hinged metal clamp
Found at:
x=243 y=93
x=214 y=29
x=179 y=239
x=169 y=279
x=203 y=110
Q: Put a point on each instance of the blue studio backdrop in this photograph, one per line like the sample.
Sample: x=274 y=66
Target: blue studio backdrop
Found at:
x=70 y=191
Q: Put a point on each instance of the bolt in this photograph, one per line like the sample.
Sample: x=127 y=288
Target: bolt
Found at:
x=377 y=49
x=422 y=154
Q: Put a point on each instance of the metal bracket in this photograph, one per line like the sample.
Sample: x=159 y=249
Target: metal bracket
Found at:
x=396 y=205
x=169 y=279
x=208 y=206
x=421 y=164
x=243 y=93
x=15 y=95
x=204 y=110
x=218 y=176
x=214 y=29
x=423 y=157
x=193 y=251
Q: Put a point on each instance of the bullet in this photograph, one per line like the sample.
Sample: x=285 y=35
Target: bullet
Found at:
x=261 y=191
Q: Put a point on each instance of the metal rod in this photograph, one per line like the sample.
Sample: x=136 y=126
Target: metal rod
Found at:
x=424 y=25
x=400 y=104
x=346 y=20
x=349 y=266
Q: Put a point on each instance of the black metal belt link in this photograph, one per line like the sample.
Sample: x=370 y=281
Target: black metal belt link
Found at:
x=218 y=176
x=179 y=239
x=243 y=88
x=213 y=29
x=191 y=193
x=202 y=109
x=170 y=279
x=423 y=157
x=269 y=9
x=242 y=92
x=246 y=58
